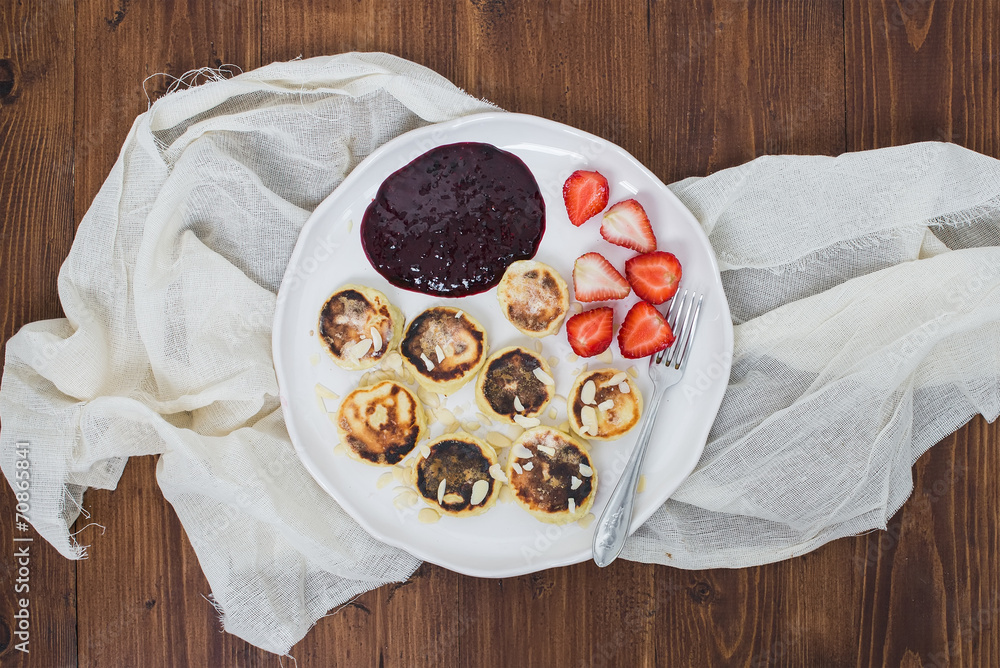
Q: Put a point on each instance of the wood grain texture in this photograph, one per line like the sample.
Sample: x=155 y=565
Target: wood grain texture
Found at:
x=141 y=594
x=36 y=230
x=687 y=87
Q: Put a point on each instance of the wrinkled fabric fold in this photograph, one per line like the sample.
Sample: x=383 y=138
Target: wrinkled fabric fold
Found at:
x=865 y=291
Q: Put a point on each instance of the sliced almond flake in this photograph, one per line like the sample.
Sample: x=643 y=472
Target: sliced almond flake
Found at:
x=441 y=487
x=624 y=387
x=553 y=361
x=618 y=378
x=439 y=353
x=471 y=426
x=497 y=440
x=339 y=449
x=526 y=422
x=576 y=307
x=521 y=452
x=641 y=486
x=394 y=360
x=496 y=472
x=572 y=505
x=514 y=431
x=314 y=359
x=589 y=417
x=453 y=428
x=549 y=450
x=585 y=368
x=606 y=405
x=563 y=426
x=330 y=404
x=427 y=362
x=528 y=466
x=586 y=471
x=404 y=501
x=479 y=490
x=572 y=357
x=544 y=377
x=574 y=482
x=607 y=357
x=506 y=496
x=633 y=371
x=458 y=410
x=553 y=413
x=586 y=520
x=384 y=480
x=425 y=450
x=518 y=406
x=445 y=416
x=588 y=392
x=376 y=340
x=350 y=226
x=429 y=398
x=399 y=474
x=516 y=467
x=459 y=314
x=537 y=345
x=324 y=391
x=360 y=349
x=559 y=399
x=428 y=516
x=365 y=380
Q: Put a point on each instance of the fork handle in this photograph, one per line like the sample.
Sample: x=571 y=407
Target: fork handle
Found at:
x=612 y=528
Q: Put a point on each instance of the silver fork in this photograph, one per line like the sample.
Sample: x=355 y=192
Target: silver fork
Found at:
x=665 y=369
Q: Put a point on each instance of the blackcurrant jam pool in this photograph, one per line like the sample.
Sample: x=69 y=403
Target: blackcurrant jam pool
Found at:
x=451 y=222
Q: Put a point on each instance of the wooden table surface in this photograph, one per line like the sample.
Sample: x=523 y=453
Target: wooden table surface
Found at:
x=687 y=86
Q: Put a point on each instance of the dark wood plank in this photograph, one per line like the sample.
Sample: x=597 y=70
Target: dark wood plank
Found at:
x=930 y=71
x=925 y=70
x=141 y=592
x=36 y=229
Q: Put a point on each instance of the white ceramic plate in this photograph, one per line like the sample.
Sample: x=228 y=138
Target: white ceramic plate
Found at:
x=505 y=541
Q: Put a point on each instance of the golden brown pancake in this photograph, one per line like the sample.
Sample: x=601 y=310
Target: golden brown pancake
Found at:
x=615 y=413
x=533 y=297
x=551 y=475
x=381 y=424
x=348 y=319
x=510 y=373
x=443 y=348
x=463 y=462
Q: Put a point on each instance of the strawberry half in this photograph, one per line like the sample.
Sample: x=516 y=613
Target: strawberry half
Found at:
x=585 y=195
x=644 y=332
x=654 y=276
x=590 y=332
x=595 y=280
x=626 y=224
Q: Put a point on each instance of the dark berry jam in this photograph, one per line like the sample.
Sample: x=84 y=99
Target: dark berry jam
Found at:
x=451 y=222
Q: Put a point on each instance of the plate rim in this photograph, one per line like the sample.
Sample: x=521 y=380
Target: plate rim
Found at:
x=639 y=518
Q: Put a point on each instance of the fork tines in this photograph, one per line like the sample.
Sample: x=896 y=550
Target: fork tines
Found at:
x=683 y=320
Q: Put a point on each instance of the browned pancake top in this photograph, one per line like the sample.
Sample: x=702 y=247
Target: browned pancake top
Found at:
x=380 y=423
x=347 y=316
x=509 y=375
x=459 y=338
x=547 y=486
x=534 y=299
x=614 y=416
x=461 y=464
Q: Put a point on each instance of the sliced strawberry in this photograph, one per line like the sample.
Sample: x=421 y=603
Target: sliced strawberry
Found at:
x=590 y=332
x=586 y=195
x=644 y=332
x=626 y=224
x=595 y=280
x=654 y=276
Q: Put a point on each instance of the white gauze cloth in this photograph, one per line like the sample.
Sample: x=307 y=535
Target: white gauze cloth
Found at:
x=865 y=291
